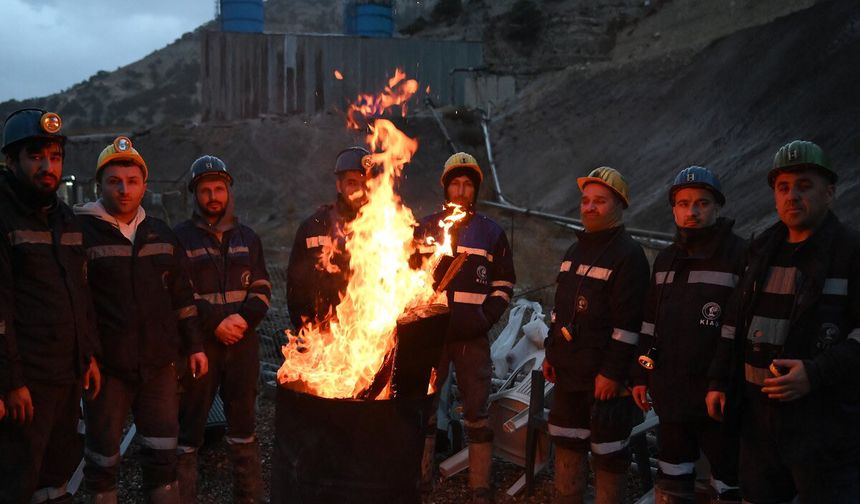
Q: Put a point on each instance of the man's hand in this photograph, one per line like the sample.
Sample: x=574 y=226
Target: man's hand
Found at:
x=548 y=371
x=605 y=388
x=640 y=396
x=93 y=379
x=198 y=364
x=20 y=406
x=716 y=403
x=792 y=385
x=231 y=329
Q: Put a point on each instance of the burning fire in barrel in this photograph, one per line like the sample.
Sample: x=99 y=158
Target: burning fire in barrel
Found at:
x=354 y=397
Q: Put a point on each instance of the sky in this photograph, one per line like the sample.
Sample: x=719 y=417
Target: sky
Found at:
x=47 y=46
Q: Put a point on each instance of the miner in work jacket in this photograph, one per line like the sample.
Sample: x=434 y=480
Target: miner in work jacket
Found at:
x=477 y=296
x=47 y=332
x=318 y=270
x=692 y=281
x=591 y=345
x=791 y=344
x=147 y=321
x=232 y=292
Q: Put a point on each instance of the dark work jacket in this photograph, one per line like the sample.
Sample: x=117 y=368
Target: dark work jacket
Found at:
x=47 y=326
x=142 y=295
x=313 y=291
x=601 y=289
x=481 y=291
x=824 y=333
x=229 y=276
x=692 y=282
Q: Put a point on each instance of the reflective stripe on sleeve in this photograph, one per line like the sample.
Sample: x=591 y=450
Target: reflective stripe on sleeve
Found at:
x=664 y=277
x=103 y=251
x=469 y=297
x=647 y=328
x=151 y=249
x=502 y=283
x=216 y=298
x=629 y=337
x=835 y=287
x=241 y=249
x=568 y=432
x=186 y=312
x=565 y=266
x=72 y=239
x=475 y=251
x=317 y=241
x=201 y=251
x=594 y=272
x=22 y=236
x=722 y=278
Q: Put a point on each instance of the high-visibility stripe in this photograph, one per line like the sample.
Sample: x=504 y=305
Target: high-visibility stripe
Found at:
x=664 y=277
x=201 y=252
x=721 y=486
x=261 y=283
x=854 y=335
x=502 y=294
x=239 y=440
x=475 y=251
x=239 y=250
x=835 y=287
x=781 y=280
x=608 y=447
x=568 y=432
x=594 y=272
x=502 y=283
x=756 y=375
x=317 y=241
x=228 y=297
x=103 y=251
x=262 y=297
x=102 y=460
x=647 y=328
x=150 y=249
x=159 y=443
x=670 y=469
x=186 y=312
x=629 y=337
x=469 y=298
x=727 y=332
x=426 y=249
x=768 y=330
x=722 y=278
x=26 y=236
x=565 y=266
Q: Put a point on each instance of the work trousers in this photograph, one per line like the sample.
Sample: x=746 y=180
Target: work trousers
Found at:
x=680 y=443
x=473 y=370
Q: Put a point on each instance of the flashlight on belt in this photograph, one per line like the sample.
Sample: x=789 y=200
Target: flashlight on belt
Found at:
x=567 y=332
x=648 y=360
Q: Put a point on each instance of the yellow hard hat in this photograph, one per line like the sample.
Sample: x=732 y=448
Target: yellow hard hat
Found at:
x=121 y=150
x=610 y=178
x=461 y=160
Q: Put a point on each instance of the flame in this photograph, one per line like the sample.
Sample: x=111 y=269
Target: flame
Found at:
x=338 y=75
x=340 y=357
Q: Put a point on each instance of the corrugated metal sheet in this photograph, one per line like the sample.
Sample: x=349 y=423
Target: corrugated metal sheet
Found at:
x=244 y=75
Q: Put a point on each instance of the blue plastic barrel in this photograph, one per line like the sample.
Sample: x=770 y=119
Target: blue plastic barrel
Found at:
x=369 y=20
x=245 y=16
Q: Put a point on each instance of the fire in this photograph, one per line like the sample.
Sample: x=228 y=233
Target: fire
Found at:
x=341 y=356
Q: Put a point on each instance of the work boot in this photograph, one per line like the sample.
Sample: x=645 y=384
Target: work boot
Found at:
x=164 y=494
x=247 y=474
x=673 y=491
x=609 y=487
x=186 y=473
x=570 y=474
x=480 y=465
x=108 y=497
x=427 y=463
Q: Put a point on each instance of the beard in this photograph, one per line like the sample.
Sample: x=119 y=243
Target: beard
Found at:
x=213 y=210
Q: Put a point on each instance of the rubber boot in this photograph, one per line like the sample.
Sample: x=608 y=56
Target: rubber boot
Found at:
x=247 y=474
x=570 y=474
x=480 y=465
x=186 y=473
x=164 y=494
x=108 y=497
x=609 y=487
x=673 y=491
x=427 y=462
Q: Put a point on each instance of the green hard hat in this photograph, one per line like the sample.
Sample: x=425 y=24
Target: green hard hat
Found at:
x=800 y=154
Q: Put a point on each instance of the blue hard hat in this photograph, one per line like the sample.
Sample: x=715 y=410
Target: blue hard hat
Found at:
x=29 y=123
x=697 y=176
x=353 y=159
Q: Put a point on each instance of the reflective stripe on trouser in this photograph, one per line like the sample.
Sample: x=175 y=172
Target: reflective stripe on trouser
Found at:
x=572 y=425
x=154 y=404
x=680 y=443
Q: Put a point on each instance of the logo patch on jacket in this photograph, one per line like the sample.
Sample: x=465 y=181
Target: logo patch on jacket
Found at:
x=711 y=315
x=246 y=279
x=827 y=335
x=581 y=304
x=481 y=272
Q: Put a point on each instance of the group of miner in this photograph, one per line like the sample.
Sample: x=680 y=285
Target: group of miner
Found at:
x=748 y=350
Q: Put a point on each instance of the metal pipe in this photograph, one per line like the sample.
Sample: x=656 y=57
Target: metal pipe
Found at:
x=428 y=102
x=485 y=125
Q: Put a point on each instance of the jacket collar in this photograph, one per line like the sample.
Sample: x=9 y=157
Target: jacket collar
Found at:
x=703 y=242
